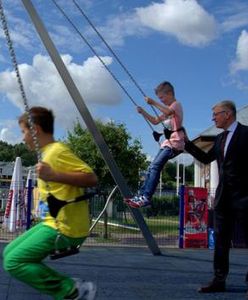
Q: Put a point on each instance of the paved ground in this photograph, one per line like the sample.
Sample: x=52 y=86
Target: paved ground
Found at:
x=135 y=274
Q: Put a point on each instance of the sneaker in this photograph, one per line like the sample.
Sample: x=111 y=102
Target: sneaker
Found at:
x=128 y=200
x=84 y=290
x=138 y=201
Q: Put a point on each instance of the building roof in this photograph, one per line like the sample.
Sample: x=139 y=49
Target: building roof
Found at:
x=205 y=139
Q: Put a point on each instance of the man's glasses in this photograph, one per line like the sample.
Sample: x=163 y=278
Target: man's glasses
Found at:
x=218 y=113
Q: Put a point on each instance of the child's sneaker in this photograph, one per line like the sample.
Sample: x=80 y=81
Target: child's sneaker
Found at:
x=128 y=200
x=138 y=201
x=83 y=291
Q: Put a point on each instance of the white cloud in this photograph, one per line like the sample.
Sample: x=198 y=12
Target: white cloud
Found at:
x=118 y=28
x=235 y=21
x=9 y=132
x=8 y=136
x=24 y=36
x=234 y=15
x=44 y=87
x=63 y=37
x=21 y=32
x=240 y=62
x=184 y=19
x=2 y=59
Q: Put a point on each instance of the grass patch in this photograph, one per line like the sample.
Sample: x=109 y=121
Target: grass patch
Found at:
x=157 y=225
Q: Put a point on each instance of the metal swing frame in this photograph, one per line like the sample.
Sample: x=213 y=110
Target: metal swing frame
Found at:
x=83 y=110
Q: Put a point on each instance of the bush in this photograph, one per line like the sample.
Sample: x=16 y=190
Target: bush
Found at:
x=164 y=206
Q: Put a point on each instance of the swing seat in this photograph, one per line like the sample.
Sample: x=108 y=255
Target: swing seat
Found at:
x=166 y=132
x=55 y=205
x=56 y=254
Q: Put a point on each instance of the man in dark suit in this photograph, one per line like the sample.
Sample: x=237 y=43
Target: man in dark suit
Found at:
x=230 y=149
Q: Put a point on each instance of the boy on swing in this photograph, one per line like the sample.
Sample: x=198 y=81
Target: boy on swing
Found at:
x=64 y=176
x=172 y=117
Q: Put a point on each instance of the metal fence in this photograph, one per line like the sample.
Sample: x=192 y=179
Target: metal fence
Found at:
x=116 y=227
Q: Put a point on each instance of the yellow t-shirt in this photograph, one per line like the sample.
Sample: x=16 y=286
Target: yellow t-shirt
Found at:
x=72 y=219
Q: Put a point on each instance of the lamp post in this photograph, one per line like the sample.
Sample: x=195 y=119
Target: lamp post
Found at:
x=183 y=171
x=160 y=185
x=178 y=175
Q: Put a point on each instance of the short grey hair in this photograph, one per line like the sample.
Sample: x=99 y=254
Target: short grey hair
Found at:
x=227 y=104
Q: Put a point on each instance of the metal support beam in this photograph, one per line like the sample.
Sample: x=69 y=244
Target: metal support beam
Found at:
x=82 y=108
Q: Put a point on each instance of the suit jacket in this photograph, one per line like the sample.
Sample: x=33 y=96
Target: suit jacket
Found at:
x=233 y=170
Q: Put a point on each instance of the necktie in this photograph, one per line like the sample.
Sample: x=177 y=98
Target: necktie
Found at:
x=223 y=142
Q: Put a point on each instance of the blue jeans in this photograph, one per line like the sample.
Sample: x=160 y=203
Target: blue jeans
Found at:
x=152 y=176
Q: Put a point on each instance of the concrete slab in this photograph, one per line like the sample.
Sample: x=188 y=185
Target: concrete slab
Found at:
x=135 y=274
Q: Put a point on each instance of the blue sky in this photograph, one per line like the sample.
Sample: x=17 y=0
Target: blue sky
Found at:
x=201 y=47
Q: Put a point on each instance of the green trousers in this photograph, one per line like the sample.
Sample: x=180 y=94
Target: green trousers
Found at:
x=23 y=257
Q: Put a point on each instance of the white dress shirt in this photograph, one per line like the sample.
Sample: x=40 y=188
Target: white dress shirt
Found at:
x=230 y=130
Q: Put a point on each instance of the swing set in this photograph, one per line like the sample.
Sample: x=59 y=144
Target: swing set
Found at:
x=55 y=204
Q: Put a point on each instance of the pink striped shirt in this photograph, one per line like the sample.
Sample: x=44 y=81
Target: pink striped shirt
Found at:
x=174 y=122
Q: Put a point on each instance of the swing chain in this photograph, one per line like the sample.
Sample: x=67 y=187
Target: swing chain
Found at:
x=101 y=60
x=113 y=53
x=19 y=80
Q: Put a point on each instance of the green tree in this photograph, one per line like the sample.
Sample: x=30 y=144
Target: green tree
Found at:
x=9 y=153
x=29 y=158
x=126 y=152
x=169 y=174
x=189 y=174
x=6 y=152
